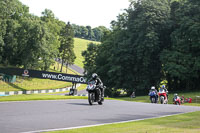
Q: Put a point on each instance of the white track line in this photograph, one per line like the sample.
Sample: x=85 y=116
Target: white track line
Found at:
x=49 y=130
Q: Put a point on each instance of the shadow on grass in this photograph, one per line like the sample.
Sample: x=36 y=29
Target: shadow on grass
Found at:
x=15 y=86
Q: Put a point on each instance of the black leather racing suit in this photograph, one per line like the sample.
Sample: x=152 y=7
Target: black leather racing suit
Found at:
x=99 y=84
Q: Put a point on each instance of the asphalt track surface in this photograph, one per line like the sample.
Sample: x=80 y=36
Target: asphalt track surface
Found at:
x=77 y=69
x=38 y=116
x=73 y=67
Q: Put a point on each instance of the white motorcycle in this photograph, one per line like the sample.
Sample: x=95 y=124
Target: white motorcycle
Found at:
x=163 y=96
x=94 y=93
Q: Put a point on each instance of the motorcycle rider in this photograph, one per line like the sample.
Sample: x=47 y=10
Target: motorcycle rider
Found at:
x=165 y=89
x=153 y=89
x=176 y=97
x=99 y=83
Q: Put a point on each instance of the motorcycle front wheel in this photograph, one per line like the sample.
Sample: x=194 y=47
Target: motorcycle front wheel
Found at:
x=153 y=100
x=91 y=98
x=162 y=100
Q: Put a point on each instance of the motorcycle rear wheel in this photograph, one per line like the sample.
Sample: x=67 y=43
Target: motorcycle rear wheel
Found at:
x=100 y=102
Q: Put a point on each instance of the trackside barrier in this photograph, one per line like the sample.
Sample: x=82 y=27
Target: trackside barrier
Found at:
x=44 y=75
x=8 y=93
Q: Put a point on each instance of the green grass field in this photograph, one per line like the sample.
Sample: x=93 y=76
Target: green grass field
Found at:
x=184 y=123
x=79 y=46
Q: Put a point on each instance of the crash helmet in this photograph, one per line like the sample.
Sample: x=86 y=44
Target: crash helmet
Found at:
x=175 y=95
x=153 y=88
x=94 y=75
x=163 y=86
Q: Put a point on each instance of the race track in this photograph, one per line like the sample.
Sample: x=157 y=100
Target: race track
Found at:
x=37 y=116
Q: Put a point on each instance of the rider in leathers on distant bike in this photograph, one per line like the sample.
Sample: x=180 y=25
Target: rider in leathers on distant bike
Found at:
x=165 y=89
x=153 y=89
x=99 y=83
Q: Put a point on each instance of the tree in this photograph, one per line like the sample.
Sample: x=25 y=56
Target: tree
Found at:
x=147 y=22
x=54 y=27
x=11 y=14
x=67 y=45
x=90 y=56
x=29 y=41
x=77 y=30
x=182 y=60
x=95 y=34
x=36 y=49
x=99 y=32
x=128 y=57
x=90 y=33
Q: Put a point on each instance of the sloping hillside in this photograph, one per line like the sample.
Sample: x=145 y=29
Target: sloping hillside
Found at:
x=79 y=46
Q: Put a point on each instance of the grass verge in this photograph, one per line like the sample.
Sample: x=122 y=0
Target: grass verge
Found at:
x=32 y=84
x=46 y=96
x=145 y=99
x=184 y=123
x=38 y=97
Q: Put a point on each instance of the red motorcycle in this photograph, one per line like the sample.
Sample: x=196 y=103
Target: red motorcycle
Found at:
x=163 y=96
x=176 y=100
x=186 y=100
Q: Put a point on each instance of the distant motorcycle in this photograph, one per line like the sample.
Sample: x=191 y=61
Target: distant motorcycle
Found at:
x=153 y=96
x=177 y=100
x=163 y=96
x=94 y=93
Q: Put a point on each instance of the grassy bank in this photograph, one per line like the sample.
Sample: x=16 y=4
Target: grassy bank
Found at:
x=184 y=123
x=32 y=84
x=79 y=46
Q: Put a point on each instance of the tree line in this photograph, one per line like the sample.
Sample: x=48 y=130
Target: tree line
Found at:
x=33 y=42
x=154 y=41
x=89 y=33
